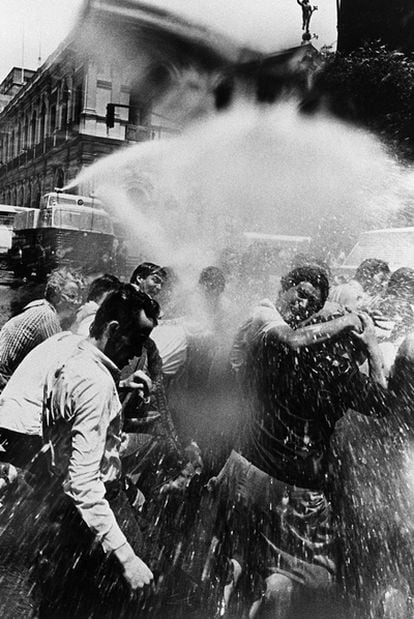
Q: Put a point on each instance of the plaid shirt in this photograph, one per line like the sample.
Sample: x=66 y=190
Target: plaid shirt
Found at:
x=23 y=332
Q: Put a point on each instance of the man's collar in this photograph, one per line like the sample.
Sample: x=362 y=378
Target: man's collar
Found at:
x=88 y=345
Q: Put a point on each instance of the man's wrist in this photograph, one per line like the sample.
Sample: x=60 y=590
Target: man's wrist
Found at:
x=125 y=554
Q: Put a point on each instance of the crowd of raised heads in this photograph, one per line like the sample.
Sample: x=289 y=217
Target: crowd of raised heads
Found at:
x=181 y=451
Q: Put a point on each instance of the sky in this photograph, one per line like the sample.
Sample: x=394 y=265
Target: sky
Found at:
x=33 y=28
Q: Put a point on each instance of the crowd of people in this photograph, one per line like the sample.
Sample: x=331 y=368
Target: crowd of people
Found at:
x=171 y=452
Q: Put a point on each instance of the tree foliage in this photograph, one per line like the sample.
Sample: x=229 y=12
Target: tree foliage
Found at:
x=373 y=87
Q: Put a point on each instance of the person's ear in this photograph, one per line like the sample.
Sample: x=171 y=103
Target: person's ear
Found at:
x=111 y=328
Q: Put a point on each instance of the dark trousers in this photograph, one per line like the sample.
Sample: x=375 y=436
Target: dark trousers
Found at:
x=75 y=577
x=20 y=449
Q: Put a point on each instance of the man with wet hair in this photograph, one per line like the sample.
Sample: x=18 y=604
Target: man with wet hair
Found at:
x=366 y=286
x=372 y=273
x=81 y=428
x=149 y=278
x=40 y=319
x=295 y=382
x=97 y=292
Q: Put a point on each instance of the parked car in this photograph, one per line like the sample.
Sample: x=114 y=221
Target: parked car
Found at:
x=394 y=245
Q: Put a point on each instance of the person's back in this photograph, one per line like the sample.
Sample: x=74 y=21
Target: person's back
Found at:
x=40 y=319
x=23 y=332
x=22 y=398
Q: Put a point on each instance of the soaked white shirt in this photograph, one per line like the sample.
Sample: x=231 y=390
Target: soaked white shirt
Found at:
x=171 y=339
x=22 y=398
x=82 y=425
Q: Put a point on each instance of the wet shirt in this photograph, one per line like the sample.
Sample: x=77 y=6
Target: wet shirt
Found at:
x=22 y=398
x=23 y=332
x=292 y=402
x=82 y=426
x=84 y=318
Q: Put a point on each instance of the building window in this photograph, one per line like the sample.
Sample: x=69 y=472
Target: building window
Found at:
x=26 y=133
x=33 y=129
x=59 y=178
x=11 y=154
x=52 y=118
x=42 y=123
x=78 y=104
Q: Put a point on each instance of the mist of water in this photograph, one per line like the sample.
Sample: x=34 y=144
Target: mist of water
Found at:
x=270 y=171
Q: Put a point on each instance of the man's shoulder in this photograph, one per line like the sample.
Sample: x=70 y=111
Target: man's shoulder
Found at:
x=84 y=364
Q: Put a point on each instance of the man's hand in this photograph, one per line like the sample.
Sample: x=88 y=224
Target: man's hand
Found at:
x=138 y=382
x=136 y=572
x=367 y=338
x=8 y=476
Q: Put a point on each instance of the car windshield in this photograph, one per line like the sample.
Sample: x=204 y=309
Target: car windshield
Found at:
x=396 y=247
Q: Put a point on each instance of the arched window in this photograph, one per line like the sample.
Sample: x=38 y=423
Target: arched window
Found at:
x=78 y=103
x=59 y=178
x=26 y=133
x=19 y=196
x=33 y=140
x=19 y=137
x=11 y=146
x=42 y=122
x=36 y=195
x=52 y=118
x=28 y=195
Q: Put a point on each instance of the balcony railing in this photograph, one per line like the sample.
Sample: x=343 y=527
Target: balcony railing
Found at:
x=35 y=151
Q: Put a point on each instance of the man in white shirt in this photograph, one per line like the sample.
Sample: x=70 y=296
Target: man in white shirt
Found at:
x=81 y=427
x=22 y=399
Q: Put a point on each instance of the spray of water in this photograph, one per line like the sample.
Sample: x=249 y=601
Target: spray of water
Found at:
x=270 y=171
x=274 y=171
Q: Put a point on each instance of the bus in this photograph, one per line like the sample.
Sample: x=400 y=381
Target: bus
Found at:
x=67 y=229
x=7 y=217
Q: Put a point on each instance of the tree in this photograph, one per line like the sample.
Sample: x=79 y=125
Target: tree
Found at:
x=372 y=87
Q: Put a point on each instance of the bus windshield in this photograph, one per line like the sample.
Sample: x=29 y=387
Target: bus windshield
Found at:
x=88 y=220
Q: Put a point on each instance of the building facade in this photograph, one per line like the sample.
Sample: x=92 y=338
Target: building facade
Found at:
x=55 y=124
x=156 y=69
x=160 y=72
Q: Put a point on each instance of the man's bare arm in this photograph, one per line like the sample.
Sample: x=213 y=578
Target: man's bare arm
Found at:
x=311 y=335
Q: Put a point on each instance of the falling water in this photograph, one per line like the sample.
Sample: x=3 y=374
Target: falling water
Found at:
x=250 y=169
x=275 y=171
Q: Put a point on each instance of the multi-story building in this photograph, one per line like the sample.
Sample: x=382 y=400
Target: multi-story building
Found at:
x=158 y=70
x=55 y=124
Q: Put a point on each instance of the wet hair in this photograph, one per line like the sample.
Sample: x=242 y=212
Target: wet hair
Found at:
x=302 y=260
x=145 y=269
x=369 y=268
x=401 y=283
x=101 y=285
x=315 y=275
x=212 y=278
x=58 y=279
x=124 y=306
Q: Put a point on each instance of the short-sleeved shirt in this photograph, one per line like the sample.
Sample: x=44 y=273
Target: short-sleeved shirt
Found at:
x=293 y=401
x=23 y=332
